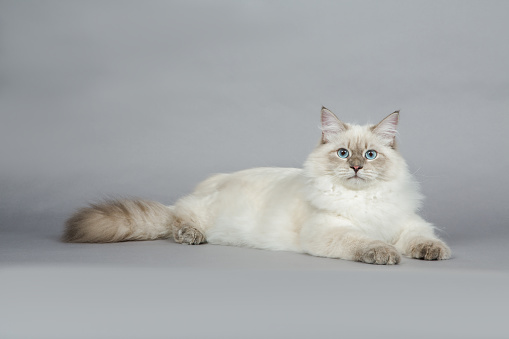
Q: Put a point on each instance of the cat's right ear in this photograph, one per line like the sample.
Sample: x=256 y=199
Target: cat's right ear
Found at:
x=331 y=126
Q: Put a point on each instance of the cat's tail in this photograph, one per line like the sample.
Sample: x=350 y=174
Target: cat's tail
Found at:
x=120 y=220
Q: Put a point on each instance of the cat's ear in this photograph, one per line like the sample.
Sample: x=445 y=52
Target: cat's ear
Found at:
x=331 y=125
x=387 y=128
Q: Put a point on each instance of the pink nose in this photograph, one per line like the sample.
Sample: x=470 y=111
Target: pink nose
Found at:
x=356 y=168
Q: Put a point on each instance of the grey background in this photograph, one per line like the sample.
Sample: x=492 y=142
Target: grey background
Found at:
x=101 y=99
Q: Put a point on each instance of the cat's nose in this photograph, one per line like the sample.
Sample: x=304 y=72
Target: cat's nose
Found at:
x=356 y=168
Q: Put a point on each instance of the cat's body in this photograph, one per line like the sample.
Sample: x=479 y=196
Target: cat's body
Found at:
x=354 y=199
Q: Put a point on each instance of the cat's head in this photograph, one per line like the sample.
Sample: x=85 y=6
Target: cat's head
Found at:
x=355 y=156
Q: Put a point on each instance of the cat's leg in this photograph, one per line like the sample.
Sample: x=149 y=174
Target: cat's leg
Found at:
x=193 y=213
x=339 y=238
x=186 y=228
x=419 y=241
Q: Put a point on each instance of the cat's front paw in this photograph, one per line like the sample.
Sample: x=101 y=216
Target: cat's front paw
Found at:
x=379 y=253
x=429 y=249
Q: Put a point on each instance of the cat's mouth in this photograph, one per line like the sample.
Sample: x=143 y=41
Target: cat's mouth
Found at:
x=355 y=176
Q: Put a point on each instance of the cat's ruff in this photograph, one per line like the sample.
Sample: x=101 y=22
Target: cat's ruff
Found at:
x=354 y=199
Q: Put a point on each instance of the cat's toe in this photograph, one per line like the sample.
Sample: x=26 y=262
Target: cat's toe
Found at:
x=431 y=249
x=380 y=253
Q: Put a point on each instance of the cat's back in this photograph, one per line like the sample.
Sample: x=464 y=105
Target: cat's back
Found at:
x=255 y=180
x=245 y=191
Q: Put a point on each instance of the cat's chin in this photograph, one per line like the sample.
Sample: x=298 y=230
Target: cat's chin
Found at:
x=356 y=183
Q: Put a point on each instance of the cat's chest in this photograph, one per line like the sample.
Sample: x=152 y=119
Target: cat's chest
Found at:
x=361 y=205
x=378 y=214
x=376 y=208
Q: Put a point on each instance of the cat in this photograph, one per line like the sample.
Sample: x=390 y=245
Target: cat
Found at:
x=354 y=199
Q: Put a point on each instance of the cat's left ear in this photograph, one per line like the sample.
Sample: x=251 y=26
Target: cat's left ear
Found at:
x=387 y=128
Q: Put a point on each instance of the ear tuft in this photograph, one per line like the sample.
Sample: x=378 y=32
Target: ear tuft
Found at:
x=331 y=125
x=387 y=128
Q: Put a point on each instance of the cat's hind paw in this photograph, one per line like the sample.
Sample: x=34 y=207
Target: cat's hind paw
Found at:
x=429 y=249
x=189 y=235
x=379 y=253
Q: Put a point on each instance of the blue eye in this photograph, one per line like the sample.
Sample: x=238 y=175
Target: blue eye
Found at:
x=370 y=154
x=343 y=153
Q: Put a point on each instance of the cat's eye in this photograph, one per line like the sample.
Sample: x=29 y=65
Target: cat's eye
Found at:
x=370 y=154
x=343 y=153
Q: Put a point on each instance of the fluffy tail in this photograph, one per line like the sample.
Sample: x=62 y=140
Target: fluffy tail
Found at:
x=119 y=220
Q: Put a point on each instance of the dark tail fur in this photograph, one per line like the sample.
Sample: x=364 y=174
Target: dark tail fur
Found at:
x=120 y=220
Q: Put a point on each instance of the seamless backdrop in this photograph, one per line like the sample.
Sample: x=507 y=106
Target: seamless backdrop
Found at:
x=125 y=98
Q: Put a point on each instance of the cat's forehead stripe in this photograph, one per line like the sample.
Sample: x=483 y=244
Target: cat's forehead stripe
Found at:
x=358 y=143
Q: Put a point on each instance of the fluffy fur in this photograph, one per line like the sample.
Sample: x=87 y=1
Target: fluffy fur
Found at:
x=351 y=207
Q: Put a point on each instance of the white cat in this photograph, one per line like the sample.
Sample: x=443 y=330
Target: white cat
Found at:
x=354 y=200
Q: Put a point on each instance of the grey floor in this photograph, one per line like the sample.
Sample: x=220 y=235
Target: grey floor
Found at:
x=161 y=289
x=101 y=99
